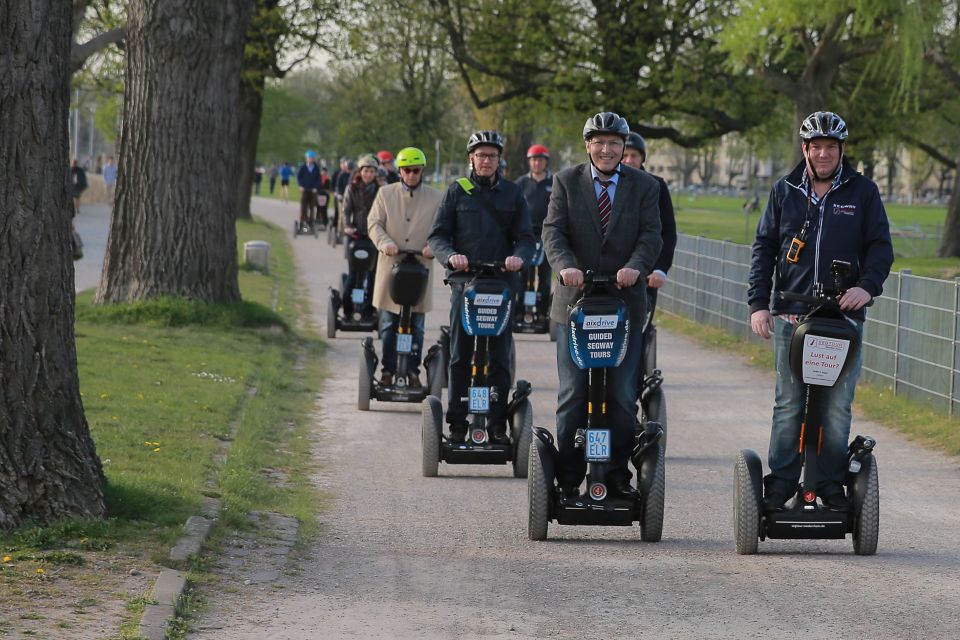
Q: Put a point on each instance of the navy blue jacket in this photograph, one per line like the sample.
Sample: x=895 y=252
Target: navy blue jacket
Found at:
x=463 y=225
x=309 y=179
x=668 y=223
x=538 y=198
x=850 y=224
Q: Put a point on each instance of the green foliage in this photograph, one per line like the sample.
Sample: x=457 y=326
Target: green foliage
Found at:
x=180 y=312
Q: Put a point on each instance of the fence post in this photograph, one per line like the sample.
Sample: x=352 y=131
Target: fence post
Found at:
x=896 y=335
x=953 y=345
x=696 y=285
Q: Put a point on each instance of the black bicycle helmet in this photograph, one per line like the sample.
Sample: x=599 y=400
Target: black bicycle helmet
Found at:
x=480 y=138
x=636 y=141
x=823 y=124
x=605 y=122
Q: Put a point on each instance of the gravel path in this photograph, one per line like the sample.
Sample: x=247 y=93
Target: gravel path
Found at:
x=402 y=556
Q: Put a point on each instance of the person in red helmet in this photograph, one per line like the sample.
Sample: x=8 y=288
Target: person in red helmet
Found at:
x=386 y=163
x=536 y=187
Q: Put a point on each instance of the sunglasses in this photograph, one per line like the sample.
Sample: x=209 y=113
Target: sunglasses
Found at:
x=413 y=170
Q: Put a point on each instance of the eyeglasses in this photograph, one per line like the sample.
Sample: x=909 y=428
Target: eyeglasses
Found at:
x=609 y=144
x=413 y=170
x=484 y=157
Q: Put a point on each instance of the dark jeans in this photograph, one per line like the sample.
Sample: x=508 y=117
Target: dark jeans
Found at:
x=572 y=410
x=322 y=211
x=461 y=353
x=308 y=205
x=388 y=334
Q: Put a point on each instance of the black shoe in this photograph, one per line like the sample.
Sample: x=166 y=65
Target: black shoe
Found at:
x=774 y=501
x=835 y=499
x=458 y=433
x=622 y=489
x=569 y=494
x=498 y=435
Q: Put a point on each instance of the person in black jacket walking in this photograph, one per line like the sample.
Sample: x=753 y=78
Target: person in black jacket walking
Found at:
x=483 y=218
x=822 y=211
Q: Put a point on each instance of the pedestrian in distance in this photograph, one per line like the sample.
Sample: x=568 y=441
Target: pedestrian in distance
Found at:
x=483 y=218
x=400 y=220
x=603 y=217
x=258 y=172
x=822 y=211
x=274 y=174
x=78 y=184
x=110 y=177
x=285 y=172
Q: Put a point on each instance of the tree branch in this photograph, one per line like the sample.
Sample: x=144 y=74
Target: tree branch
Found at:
x=931 y=151
x=936 y=58
x=80 y=52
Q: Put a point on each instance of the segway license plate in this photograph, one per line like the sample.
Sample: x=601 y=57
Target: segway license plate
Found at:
x=357 y=296
x=479 y=399
x=598 y=445
x=529 y=298
x=405 y=343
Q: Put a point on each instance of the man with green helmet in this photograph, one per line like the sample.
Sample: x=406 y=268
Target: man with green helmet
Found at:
x=400 y=220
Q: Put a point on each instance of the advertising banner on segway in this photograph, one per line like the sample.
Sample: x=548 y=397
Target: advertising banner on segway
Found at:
x=486 y=308
x=823 y=359
x=598 y=335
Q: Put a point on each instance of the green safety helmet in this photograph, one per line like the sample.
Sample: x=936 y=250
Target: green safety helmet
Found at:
x=411 y=157
x=368 y=160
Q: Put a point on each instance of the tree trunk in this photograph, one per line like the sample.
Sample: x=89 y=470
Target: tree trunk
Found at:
x=950 y=244
x=173 y=228
x=48 y=464
x=251 y=111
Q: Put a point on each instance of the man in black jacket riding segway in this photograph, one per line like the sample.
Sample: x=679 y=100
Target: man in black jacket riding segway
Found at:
x=482 y=218
x=822 y=211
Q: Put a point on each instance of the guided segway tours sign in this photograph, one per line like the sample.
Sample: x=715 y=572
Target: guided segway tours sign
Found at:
x=823 y=359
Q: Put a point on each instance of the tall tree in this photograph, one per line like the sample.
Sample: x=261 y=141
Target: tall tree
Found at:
x=48 y=465
x=172 y=232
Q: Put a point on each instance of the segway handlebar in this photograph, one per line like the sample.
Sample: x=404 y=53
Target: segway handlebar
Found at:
x=830 y=301
x=592 y=277
x=475 y=269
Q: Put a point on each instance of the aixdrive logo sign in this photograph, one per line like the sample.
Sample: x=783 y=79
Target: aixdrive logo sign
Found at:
x=845 y=209
x=599 y=322
x=488 y=300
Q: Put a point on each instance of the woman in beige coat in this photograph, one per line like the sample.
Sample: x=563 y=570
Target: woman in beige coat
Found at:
x=400 y=220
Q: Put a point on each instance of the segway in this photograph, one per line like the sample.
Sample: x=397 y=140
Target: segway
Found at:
x=599 y=333
x=821 y=347
x=529 y=318
x=362 y=254
x=653 y=402
x=310 y=226
x=408 y=284
x=487 y=305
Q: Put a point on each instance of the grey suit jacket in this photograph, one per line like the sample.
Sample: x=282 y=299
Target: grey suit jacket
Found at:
x=572 y=237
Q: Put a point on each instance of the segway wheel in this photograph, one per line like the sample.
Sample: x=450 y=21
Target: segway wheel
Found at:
x=430 y=435
x=538 y=494
x=656 y=411
x=650 y=351
x=332 y=318
x=651 y=518
x=435 y=375
x=522 y=432
x=332 y=235
x=296 y=229
x=747 y=493
x=364 y=382
x=866 y=528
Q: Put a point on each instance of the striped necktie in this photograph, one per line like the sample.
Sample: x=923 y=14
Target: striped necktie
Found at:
x=603 y=203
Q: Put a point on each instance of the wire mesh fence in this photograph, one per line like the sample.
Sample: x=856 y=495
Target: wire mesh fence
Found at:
x=910 y=337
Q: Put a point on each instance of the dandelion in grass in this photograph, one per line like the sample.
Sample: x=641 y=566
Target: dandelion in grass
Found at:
x=7 y=559
x=40 y=571
x=104 y=396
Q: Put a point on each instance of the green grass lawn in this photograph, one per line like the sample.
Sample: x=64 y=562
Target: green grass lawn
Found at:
x=722 y=218
x=165 y=384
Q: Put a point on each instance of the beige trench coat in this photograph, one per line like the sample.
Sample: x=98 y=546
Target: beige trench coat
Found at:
x=403 y=218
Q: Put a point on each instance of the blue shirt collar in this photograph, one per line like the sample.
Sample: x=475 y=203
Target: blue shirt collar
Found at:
x=615 y=179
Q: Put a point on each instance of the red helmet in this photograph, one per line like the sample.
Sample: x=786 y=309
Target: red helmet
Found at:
x=384 y=156
x=538 y=151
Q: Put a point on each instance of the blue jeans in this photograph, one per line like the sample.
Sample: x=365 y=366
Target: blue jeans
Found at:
x=461 y=353
x=388 y=334
x=784 y=455
x=621 y=410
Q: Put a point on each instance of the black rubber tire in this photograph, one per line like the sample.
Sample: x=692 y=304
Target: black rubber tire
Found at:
x=521 y=423
x=656 y=411
x=746 y=506
x=650 y=351
x=538 y=495
x=866 y=530
x=651 y=518
x=554 y=330
x=331 y=318
x=364 y=382
x=430 y=430
x=435 y=376
x=296 y=229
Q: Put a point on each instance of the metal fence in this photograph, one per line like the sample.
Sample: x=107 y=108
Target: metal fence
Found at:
x=910 y=337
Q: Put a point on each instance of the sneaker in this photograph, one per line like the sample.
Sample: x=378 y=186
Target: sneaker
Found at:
x=569 y=494
x=413 y=382
x=386 y=379
x=774 y=501
x=498 y=434
x=835 y=499
x=458 y=433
